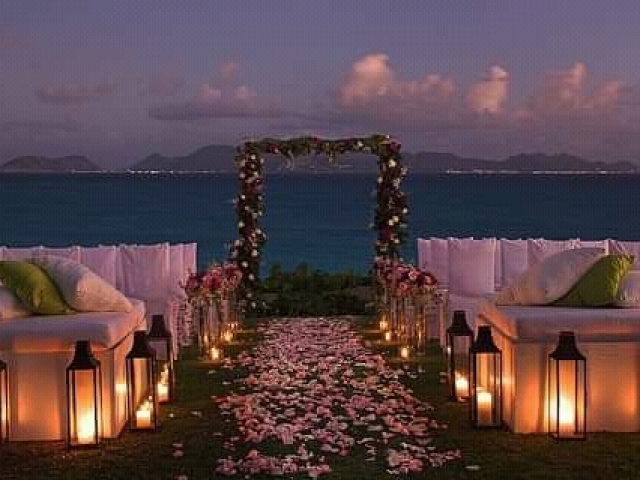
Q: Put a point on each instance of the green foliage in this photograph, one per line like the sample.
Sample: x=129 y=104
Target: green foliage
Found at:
x=307 y=291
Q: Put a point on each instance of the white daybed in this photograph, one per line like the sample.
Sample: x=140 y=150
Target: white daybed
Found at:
x=608 y=337
x=38 y=349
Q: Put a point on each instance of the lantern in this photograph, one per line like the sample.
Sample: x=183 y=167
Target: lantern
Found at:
x=4 y=402
x=142 y=396
x=567 y=390
x=160 y=341
x=486 y=381
x=459 y=338
x=84 y=397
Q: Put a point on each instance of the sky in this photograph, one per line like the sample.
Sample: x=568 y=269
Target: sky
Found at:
x=117 y=81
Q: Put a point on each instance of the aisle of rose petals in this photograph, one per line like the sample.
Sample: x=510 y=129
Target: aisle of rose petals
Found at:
x=315 y=392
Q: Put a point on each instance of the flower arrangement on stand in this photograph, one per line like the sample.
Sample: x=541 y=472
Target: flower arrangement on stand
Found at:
x=406 y=294
x=211 y=297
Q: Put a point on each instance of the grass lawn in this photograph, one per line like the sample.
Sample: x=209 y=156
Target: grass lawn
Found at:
x=194 y=431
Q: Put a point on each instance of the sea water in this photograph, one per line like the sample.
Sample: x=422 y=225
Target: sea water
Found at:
x=323 y=220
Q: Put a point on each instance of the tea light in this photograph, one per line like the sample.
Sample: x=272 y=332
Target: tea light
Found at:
x=227 y=336
x=384 y=324
x=387 y=336
x=404 y=352
x=86 y=429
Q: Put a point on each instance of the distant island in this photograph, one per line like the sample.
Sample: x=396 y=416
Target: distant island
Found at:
x=220 y=159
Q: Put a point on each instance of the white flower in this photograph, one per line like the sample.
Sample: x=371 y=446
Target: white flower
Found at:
x=254 y=253
x=379 y=180
x=241 y=175
x=240 y=224
x=244 y=264
x=390 y=222
x=392 y=163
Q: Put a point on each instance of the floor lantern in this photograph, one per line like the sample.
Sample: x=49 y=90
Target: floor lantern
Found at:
x=459 y=338
x=4 y=401
x=567 y=390
x=486 y=381
x=84 y=397
x=160 y=341
x=142 y=396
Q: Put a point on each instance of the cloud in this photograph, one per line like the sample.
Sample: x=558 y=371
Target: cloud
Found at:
x=372 y=80
x=489 y=95
x=563 y=94
x=162 y=84
x=73 y=93
x=220 y=98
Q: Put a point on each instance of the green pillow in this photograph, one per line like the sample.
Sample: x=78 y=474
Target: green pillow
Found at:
x=33 y=287
x=598 y=287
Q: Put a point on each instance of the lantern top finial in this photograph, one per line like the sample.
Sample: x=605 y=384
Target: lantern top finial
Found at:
x=484 y=341
x=83 y=358
x=158 y=327
x=459 y=324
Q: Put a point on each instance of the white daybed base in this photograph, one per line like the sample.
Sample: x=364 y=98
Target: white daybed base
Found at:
x=608 y=337
x=38 y=350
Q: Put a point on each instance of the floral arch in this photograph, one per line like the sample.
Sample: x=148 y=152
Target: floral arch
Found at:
x=390 y=210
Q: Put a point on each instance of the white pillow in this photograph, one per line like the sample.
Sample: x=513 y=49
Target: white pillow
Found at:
x=540 y=248
x=10 y=305
x=514 y=259
x=472 y=265
x=629 y=290
x=82 y=289
x=551 y=278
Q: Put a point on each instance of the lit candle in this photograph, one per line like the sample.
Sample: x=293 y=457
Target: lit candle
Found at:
x=215 y=353
x=404 y=352
x=387 y=336
x=121 y=388
x=86 y=428
x=228 y=335
x=143 y=415
x=567 y=415
x=485 y=403
x=462 y=387
x=163 y=391
x=384 y=324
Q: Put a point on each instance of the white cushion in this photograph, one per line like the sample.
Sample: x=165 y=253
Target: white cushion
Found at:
x=82 y=289
x=579 y=243
x=514 y=260
x=101 y=260
x=629 y=290
x=440 y=260
x=551 y=278
x=10 y=305
x=145 y=271
x=626 y=247
x=540 y=248
x=471 y=265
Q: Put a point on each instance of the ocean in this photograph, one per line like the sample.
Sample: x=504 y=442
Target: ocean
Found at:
x=323 y=220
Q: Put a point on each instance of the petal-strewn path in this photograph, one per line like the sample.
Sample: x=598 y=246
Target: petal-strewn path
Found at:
x=315 y=392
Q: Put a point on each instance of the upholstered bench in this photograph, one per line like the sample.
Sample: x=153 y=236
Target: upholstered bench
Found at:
x=38 y=349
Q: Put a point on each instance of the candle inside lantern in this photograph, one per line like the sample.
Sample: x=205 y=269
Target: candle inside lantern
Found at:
x=404 y=352
x=567 y=415
x=86 y=428
x=485 y=404
x=163 y=392
x=462 y=387
x=227 y=336
x=143 y=415
x=387 y=336
x=215 y=353
x=384 y=324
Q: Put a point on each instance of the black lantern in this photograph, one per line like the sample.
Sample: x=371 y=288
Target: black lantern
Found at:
x=4 y=402
x=84 y=397
x=160 y=341
x=459 y=338
x=142 y=396
x=567 y=390
x=486 y=381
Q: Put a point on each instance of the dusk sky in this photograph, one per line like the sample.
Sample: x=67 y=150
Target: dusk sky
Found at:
x=118 y=80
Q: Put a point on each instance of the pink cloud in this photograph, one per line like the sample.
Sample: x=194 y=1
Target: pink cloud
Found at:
x=221 y=98
x=489 y=95
x=73 y=93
